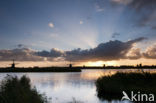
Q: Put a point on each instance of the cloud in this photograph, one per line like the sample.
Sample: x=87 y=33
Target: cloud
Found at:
x=137 y=40
x=134 y=53
x=21 y=46
x=22 y=54
x=141 y=4
x=52 y=54
x=115 y=34
x=149 y=20
x=150 y=52
x=100 y=5
x=51 y=25
x=112 y=50
x=26 y=54
x=99 y=8
x=154 y=27
x=125 y=2
x=81 y=22
x=145 y=10
x=137 y=4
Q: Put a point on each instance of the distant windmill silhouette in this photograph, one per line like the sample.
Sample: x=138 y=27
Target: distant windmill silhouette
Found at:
x=13 y=64
x=70 y=65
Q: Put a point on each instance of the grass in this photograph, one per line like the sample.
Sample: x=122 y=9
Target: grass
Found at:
x=15 y=90
x=111 y=87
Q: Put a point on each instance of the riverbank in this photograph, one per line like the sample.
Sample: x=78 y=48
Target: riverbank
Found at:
x=111 y=87
x=70 y=69
x=44 y=69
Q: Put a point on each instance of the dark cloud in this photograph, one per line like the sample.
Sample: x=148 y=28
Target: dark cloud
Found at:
x=112 y=50
x=20 y=45
x=53 y=53
x=23 y=54
x=145 y=10
x=143 y=4
x=114 y=35
x=154 y=27
x=136 y=4
x=148 y=19
x=136 y=40
x=26 y=54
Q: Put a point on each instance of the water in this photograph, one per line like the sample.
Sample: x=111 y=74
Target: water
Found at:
x=68 y=87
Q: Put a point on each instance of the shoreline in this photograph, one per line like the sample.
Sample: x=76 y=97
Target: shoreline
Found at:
x=67 y=69
x=60 y=69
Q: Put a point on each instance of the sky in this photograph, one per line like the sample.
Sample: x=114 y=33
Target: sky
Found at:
x=84 y=32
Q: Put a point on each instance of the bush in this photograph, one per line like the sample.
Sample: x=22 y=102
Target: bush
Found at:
x=15 y=90
x=111 y=87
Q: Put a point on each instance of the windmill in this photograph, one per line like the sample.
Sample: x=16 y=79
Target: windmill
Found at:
x=13 y=64
x=70 y=65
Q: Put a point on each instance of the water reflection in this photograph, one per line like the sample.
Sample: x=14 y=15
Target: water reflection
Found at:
x=68 y=87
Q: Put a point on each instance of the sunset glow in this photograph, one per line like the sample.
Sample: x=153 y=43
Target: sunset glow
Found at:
x=77 y=51
x=101 y=63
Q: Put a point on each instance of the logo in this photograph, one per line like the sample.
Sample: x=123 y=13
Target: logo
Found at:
x=125 y=97
x=138 y=97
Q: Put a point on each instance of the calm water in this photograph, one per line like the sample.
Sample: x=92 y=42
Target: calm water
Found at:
x=67 y=87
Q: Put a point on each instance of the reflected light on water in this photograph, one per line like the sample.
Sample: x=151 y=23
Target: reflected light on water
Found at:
x=95 y=74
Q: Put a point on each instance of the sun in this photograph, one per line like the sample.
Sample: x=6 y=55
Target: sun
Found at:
x=101 y=63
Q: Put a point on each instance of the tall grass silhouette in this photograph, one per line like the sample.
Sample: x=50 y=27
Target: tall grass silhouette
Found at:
x=19 y=90
x=111 y=87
